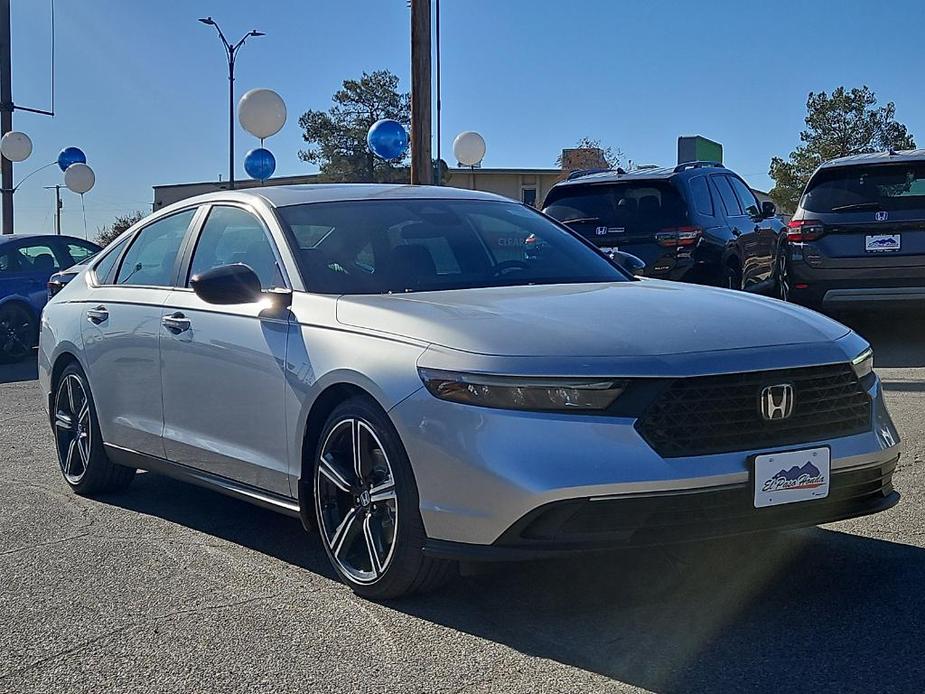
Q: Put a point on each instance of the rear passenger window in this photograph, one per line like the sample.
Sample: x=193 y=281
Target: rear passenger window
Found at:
x=105 y=267
x=151 y=258
x=703 y=201
x=730 y=202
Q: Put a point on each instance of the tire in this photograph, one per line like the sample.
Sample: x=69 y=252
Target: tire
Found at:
x=732 y=277
x=782 y=285
x=369 y=522
x=81 y=454
x=18 y=330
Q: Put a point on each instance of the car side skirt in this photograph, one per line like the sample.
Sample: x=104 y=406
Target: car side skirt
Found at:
x=184 y=473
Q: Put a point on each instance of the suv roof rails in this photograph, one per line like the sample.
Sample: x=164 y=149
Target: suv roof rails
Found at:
x=697 y=165
x=578 y=173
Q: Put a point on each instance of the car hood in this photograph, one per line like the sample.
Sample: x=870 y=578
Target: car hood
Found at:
x=644 y=318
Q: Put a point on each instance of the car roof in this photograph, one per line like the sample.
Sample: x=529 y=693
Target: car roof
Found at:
x=660 y=173
x=283 y=196
x=876 y=158
x=19 y=237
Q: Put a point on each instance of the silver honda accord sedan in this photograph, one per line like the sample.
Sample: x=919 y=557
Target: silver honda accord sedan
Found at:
x=427 y=375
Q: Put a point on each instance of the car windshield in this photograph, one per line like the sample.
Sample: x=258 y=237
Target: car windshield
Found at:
x=639 y=207
x=876 y=187
x=382 y=246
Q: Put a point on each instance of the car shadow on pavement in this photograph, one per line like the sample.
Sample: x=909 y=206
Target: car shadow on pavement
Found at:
x=815 y=609
x=25 y=370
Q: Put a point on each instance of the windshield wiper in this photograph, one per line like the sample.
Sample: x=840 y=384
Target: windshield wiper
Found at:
x=580 y=219
x=869 y=205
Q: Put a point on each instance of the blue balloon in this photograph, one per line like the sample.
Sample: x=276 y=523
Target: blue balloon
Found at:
x=387 y=139
x=260 y=163
x=71 y=155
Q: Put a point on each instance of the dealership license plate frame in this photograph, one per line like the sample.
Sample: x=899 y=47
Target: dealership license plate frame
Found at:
x=871 y=239
x=765 y=467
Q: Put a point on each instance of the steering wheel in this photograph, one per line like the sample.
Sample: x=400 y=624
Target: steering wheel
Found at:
x=506 y=265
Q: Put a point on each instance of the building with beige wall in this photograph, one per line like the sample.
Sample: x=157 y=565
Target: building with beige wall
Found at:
x=527 y=185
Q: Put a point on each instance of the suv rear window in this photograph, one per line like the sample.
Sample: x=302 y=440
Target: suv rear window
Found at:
x=872 y=187
x=637 y=207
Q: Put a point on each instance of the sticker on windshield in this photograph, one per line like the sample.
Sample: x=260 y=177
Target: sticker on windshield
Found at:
x=882 y=243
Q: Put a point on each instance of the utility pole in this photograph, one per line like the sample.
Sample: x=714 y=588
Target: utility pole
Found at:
x=58 y=207
x=422 y=169
x=6 y=113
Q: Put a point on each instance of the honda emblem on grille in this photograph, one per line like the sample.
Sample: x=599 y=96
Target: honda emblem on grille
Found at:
x=882 y=216
x=776 y=402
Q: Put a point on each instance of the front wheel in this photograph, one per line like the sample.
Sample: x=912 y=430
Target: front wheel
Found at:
x=366 y=506
x=783 y=276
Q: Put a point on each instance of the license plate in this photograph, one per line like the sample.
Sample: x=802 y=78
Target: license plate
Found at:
x=784 y=478
x=882 y=243
x=609 y=249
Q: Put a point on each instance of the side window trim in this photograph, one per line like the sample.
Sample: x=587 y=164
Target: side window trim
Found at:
x=134 y=238
x=199 y=224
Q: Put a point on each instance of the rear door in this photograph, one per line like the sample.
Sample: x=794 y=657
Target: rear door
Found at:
x=33 y=262
x=121 y=328
x=224 y=366
x=873 y=216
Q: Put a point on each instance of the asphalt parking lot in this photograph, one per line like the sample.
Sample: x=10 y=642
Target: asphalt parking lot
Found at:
x=168 y=588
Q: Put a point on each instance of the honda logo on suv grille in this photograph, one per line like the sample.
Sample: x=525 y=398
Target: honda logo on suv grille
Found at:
x=776 y=402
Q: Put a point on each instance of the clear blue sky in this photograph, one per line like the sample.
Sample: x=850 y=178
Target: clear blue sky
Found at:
x=142 y=88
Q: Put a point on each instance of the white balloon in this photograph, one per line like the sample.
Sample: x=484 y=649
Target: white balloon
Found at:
x=469 y=148
x=79 y=178
x=262 y=112
x=16 y=146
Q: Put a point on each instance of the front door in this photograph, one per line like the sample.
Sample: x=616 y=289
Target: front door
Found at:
x=120 y=326
x=224 y=366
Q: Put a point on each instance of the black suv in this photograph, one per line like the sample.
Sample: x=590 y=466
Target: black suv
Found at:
x=696 y=222
x=858 y=234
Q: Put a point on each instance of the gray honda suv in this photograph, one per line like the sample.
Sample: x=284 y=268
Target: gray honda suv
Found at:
x=392 y=366
x=857 y=237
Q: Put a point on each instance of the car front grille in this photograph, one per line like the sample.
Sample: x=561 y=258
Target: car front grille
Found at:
x=720 y=414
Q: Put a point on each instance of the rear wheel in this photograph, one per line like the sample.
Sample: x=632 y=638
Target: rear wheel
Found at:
x=17 y=332
x=732 y=276
x=366 y=506
x=81 y=454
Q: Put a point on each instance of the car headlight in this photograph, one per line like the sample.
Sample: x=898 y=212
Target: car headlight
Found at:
x=863 y=364
x=523 y=393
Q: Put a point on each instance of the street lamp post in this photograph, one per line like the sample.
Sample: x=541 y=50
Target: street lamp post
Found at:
x=231 y=51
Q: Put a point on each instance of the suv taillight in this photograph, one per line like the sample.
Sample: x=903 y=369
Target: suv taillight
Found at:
x=673 y=237
x=800 y=230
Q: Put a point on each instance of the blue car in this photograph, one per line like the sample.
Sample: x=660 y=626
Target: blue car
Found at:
x=26 y=263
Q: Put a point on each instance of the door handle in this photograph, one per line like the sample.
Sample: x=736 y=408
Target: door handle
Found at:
x=97 y=315
x=176 y=322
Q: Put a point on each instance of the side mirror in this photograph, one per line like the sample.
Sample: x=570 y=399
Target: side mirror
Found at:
x=631 y=263
x=768 y=209
x=227 y=284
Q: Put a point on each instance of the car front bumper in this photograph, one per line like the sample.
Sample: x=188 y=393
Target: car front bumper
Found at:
x=500 y=484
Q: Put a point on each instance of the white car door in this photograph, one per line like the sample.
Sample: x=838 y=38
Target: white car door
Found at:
x=121 y=328
x=223 y=366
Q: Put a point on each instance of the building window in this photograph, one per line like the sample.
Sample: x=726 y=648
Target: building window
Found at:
x=528 y=196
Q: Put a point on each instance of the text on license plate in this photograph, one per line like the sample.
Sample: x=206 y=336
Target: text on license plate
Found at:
x=783 y=478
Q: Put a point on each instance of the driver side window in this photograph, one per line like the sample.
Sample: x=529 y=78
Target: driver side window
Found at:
x=232 y=235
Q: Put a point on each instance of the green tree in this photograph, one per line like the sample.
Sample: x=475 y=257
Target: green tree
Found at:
x=107 y=234
x=338 y=136
x=838 y=125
